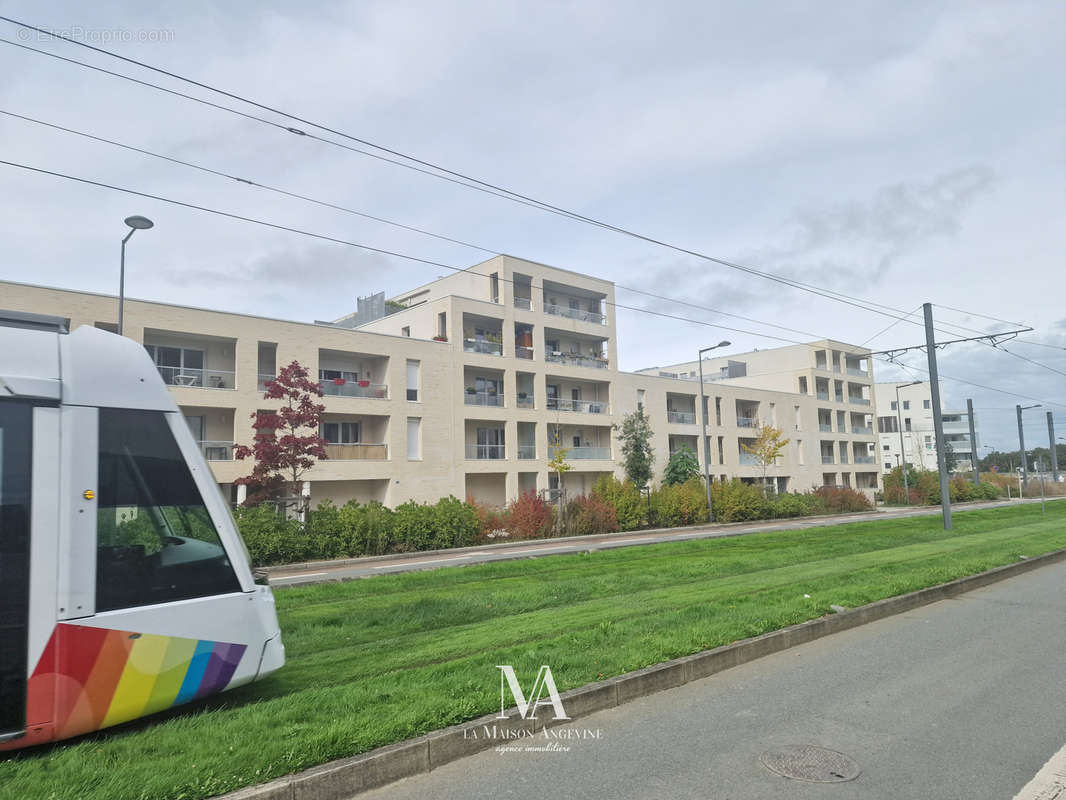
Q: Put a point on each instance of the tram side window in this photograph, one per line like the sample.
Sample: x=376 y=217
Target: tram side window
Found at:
x=155 y=540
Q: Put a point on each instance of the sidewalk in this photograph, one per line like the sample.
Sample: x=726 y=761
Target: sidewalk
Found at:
x=352 y=568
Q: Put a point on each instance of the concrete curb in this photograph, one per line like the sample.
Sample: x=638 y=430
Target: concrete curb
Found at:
x=341 y=779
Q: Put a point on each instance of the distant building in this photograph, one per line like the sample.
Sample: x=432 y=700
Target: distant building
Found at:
x=915 y=418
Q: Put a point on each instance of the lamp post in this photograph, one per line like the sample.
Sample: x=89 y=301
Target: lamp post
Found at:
x=1021 y=444
x=902 y=452
x=136 y=223
x=703 y=414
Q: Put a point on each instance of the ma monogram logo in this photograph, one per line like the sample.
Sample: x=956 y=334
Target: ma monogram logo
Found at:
x=544 y=682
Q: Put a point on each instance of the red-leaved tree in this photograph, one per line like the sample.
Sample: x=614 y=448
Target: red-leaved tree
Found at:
x=287 y=441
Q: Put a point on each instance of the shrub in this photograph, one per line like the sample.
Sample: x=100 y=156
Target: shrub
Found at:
x=530 y=517
x=365 y=529
x=590 y=515
x=490 y=520
x=736 y=501
x=681 y=467
x=840 y=499
x=798 y=505
x=630 y=507
x=325 y=538
x=270 y=537
x=680 y=504
x=455 y=524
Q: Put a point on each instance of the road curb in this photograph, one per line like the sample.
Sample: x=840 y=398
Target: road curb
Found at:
x=341 y=779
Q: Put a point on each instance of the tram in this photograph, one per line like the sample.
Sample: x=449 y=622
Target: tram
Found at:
x=125 y=588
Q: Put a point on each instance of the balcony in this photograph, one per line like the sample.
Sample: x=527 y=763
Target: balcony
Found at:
x=822 y=395
x=216 y=451
x=575 y=360
x=486 y=452
x=582 y=453
x=858 y=373
x=867 y=431
x=577 y=406
x=748 y=459
x=261 y=381
x=524 y=401
x=357 y=452
x=864 y=459
x=747 y=422
x=524 y=302
x=520 y=351
x=576 y=313
x=483 y=399
x=483 y=346
x=858 y=401
x=339 y=387
x=197 y=377
x=527 y=452
x=825 y=427
x=828 y=459
x=681 y=417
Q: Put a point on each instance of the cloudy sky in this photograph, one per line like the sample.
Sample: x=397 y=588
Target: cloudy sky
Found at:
x=893 y=151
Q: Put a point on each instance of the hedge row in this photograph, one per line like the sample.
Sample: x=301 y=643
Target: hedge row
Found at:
x=923 y=488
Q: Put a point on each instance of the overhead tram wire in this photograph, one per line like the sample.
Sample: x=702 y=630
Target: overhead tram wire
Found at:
x=441 y=172
x=441 y=264
x=890 y=326
x=337 y=240
x=383 y=220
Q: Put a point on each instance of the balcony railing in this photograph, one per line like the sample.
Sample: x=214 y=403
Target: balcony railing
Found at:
x=827 y=459
x=483 y=452
x=339 y=387
x=822 y=395
x=198 y=378
x=861 y=430
x=217 y=451
x=748 y=459
x=825 y=428
x=858 y=401
x=575 y=359
x=864 y=459
x=579 y=406
x=576 y=313
x=520 y=351
x=859 y=373
x=822 y=365
x=261 y=381
x=843 y=458
x=483 y=346
x=523 y=302
x=747 y=422
x=483 y=399
x=357 y=452
x=681 y=417
x=527 y=452
x=524 y=402
x=582 y=453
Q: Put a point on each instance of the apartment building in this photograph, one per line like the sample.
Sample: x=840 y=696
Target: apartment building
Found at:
x=913 y=415
x=468 y=385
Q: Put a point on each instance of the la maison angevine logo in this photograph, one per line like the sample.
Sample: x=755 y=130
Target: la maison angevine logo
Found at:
x=527 y=709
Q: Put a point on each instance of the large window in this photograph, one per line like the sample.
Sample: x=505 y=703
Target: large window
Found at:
x=341 y=432
x=15 y=463
x=179 y=366
x=155 y=540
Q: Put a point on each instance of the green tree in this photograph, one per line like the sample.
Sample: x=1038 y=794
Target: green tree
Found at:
x=682 y=466
x=951 y=458
x=637 y=457
x=768 y=446
x=560 y=467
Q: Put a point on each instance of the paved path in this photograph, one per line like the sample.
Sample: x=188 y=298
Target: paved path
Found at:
x=364 y=567
x=964 y=699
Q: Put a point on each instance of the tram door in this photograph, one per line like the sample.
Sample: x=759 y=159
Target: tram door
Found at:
x=16 y=456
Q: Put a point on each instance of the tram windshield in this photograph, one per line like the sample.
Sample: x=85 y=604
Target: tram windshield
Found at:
x=156 y=542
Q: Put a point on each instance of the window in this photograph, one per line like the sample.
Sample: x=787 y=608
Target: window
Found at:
x=928 y=442
x=640 y=398
x=16 y=456
x=338 y=375
x=412 y=380
x=494 y=287
x=886 y=447
x=155 y=542
x=906 y=405
x=179 y=366
x=414 y=438
x=907 y=424
x=442 y=325
x=893 y=405
x=803 y=385
x=341 y=432
x=888 y=465
x=405 y=330
x=926 y=403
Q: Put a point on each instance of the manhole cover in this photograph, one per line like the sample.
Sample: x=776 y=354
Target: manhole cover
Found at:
x=806 y=762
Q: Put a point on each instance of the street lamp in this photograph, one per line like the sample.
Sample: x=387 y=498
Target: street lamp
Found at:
x=1021 y=444
x=706 y=446
x=136 y=223
x=902 y=451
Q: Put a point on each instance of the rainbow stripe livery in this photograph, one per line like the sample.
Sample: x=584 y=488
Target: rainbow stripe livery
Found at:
x=99 y=677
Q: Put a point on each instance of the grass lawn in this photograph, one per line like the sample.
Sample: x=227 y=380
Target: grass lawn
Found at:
x=391 y=657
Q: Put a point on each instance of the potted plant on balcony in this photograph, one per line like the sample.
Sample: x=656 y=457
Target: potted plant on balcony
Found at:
x=440 y=338
x=471 y=390
x=364 y=384
x=339 y=381
x=522 y=395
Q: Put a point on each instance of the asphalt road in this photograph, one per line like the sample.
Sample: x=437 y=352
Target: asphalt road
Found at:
x=964 y=699
x=366 y=567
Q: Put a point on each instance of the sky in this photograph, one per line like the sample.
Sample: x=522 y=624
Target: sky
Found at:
x=897 y=152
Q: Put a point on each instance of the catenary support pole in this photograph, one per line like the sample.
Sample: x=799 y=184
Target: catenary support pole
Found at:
x=1021 y=452
x=973 y=444
x=938 y=417
x=706 y=445
x=1051 y=446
